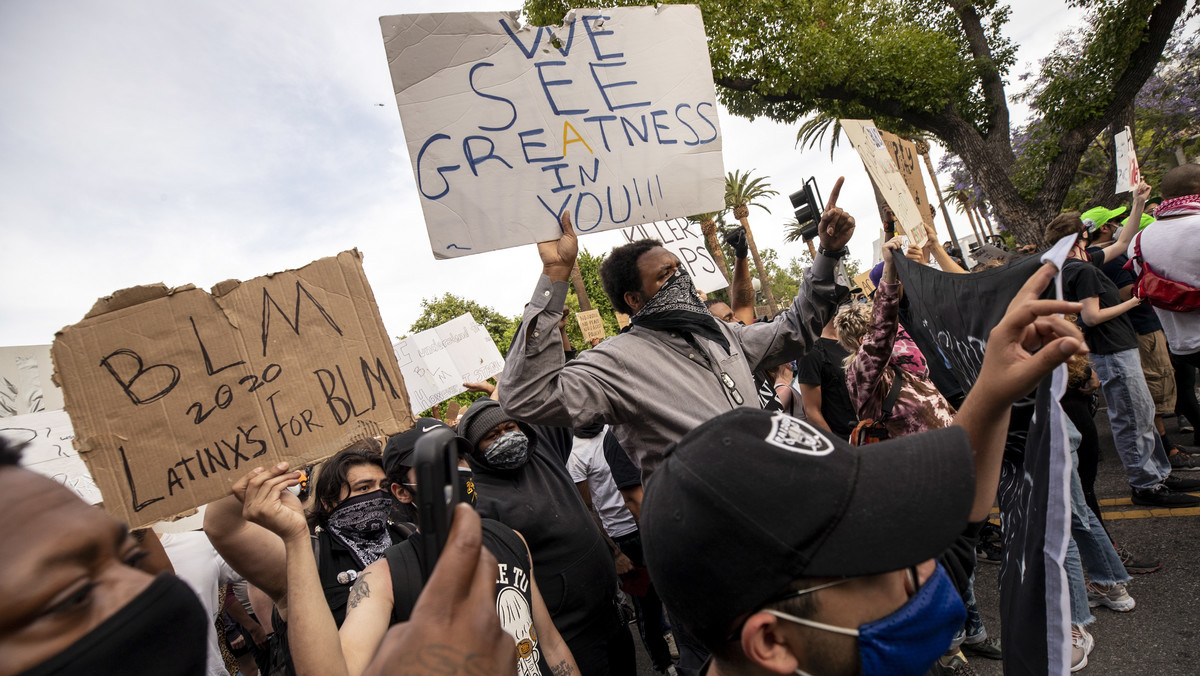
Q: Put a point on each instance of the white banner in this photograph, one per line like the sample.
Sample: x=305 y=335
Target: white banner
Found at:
x=48 y=451
x=436 y=362
x=686 y=241
x=1128 y=174
x=867 y=140
x=611 y=117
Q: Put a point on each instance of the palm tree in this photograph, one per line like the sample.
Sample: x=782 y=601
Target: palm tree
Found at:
x=962 y=196
x=923 y=150
x=708 y=225
x=812 y=133
x=794 y=232
x=741 y=193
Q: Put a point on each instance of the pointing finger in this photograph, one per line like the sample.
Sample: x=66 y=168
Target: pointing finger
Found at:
x=833 y=194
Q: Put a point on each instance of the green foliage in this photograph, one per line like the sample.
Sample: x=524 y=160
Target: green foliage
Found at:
x=743 y=191
x=589 y=269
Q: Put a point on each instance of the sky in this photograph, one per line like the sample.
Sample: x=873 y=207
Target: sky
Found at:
x=194 y=142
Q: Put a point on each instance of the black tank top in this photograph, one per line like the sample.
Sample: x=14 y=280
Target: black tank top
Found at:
x=514 y=600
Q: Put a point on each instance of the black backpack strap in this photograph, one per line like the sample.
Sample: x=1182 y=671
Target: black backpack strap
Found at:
x=885 y=411
x=405 y=566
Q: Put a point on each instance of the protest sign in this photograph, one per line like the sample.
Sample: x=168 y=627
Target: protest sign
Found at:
x=436 y=362
x=864 y=282
x=886 y=176
x=174 y=394
x=610 y=117
x=1128 y=174
x=622 y=319
x=684 y=239
x=25 y=385
x=905 y=155
x=47 y=437
x=591 y=325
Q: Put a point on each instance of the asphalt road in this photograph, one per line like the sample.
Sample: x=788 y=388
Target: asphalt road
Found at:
x=1161 y=635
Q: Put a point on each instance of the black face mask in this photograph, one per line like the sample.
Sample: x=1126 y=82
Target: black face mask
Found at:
x=163 y=630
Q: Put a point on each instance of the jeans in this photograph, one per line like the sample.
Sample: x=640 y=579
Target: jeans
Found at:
x=1131 y=414
x=972 y=631
x=1081 y=614
x=1089 y=537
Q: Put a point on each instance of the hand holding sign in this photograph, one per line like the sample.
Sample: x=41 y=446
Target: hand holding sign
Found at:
x=267 y=502
x=836 y=225
x=558 y=255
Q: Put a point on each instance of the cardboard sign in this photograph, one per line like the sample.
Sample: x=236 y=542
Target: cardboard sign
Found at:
x=47 y=437
x=174 y=394
x=25 y=385
x=864 y=282
x=1128 y=174
x=684 y=239
x=591 y=325
x=904 y=153
x=867 y=140
x=436 y=362
x=610 y=117
x=622 y=319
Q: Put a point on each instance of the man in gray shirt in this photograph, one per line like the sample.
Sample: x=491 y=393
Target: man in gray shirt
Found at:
x=677 y=366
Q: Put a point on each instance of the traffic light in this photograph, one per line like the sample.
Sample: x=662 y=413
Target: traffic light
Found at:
x=807 y=203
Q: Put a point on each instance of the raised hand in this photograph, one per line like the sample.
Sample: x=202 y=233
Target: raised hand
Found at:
x=267 y=502
x=454 y=629
x=836 y=225
x=1031 y=339
x=1141 y=193
x=558 y=255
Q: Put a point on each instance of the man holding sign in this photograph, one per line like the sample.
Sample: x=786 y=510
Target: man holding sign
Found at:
x=677 y=366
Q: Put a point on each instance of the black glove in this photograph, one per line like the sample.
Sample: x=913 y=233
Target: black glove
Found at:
x=736 y=238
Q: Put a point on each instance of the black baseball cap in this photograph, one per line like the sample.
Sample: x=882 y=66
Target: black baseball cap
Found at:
x=400 y=447
x=752 y=500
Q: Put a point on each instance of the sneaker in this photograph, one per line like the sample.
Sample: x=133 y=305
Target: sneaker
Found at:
x=957 y=665
x=1160 y=496
x=988 y=648
x=1112 y=596
x=988 y=552
x=1134 y=565
x=1081 y=646
x=1181 y=485
x=1184 y=462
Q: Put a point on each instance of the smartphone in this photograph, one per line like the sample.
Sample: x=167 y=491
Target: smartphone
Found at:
x=437 y=492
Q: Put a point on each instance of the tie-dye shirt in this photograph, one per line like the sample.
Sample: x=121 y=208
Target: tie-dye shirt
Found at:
x=920 y=407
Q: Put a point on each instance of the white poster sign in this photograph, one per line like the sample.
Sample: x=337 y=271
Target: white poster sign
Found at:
x=867 y=140
x=610 y=117
x=25 y=385
x=436 y=362
x=1128 y=174
x=48 y=451
x=684 y=239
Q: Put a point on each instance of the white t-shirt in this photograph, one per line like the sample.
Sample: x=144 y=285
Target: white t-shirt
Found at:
x=203 y=569
x=587 y=463
x=1171 y=247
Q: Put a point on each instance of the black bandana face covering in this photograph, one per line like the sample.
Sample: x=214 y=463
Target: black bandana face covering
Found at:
x=163 y=630
x=677 y=306
x=360 y=523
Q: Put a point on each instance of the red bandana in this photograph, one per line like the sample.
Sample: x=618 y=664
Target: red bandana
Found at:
x=1178 y=206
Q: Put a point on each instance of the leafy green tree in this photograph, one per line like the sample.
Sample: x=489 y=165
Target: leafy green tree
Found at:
x=741 y=193
x=938 y=67
x=708 y=226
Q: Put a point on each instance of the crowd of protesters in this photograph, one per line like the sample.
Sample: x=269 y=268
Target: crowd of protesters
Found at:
x=793 y=494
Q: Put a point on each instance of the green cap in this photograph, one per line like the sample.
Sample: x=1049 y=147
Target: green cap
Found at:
x=1147 y=219
x=1097 y=216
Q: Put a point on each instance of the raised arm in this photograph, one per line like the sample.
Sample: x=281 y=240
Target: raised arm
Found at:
x=741 y=287
x=868 y=376
x=254 y=552
x=1121 y=245
x=1029 y=342
x=944 y=261
x=1092 y=314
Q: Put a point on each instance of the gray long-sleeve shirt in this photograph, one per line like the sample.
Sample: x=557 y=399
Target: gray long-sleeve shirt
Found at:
x=653 y=386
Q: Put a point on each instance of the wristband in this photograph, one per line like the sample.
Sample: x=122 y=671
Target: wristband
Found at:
x=835 y=253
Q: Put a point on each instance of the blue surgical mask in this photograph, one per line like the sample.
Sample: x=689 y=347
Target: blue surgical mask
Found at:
x=910 y=640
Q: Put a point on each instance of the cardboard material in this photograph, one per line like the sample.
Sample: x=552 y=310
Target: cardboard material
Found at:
x=47 y=437
x=863 y=282
x=684 y=239
x=868 y=141
x=1128 y=174
x=611 y=117
x=622 y=319
x=591 y=325
x=25 y=385
x=436 y=362
x=904 y=153
x=174 y=394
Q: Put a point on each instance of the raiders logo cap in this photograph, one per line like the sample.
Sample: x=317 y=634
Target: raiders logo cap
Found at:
x=753 y=500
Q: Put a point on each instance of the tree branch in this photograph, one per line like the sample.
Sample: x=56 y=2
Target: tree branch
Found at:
x=989 y=75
